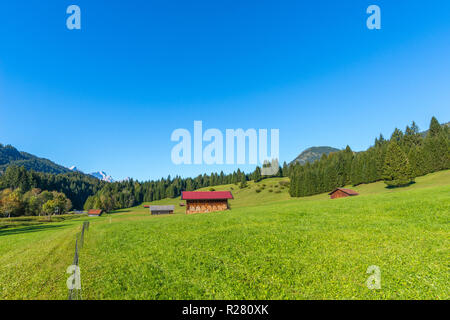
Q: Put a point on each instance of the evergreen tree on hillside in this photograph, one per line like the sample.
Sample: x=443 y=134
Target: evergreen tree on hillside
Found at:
x=243 y=181
x=397 y=170
x=435 y=128
x=417 y=161
x=412 y=136
x=285 y=170
x=437 y=151
x=257 y=174
x=397 y=136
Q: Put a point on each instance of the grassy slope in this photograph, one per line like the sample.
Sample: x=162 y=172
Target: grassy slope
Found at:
x=267 y=246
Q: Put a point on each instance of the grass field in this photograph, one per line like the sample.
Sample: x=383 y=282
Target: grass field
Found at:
x=268 y=246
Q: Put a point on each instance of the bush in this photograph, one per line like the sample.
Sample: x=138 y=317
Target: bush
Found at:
x=283 y=184
x=270 y=190
x=258 y=190
x=212 y=189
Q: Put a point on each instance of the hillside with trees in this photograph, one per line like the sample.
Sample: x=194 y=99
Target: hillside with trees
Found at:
x=77 y=187
x=397 y=161
x=34 y=202
x=10 y=156
x=129 y=193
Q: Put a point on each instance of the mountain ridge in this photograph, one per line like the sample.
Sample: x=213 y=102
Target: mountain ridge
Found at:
x=9 y=155
x=312 y=154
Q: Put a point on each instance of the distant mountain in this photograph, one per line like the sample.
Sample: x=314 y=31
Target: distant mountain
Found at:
x=101 y=175
x=74 y=168
x=11 y=156
x=312 y=154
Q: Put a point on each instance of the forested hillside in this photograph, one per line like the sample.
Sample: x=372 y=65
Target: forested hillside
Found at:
x=11 y=156
x=126 y=194
x=77 y=187
x=396 y=161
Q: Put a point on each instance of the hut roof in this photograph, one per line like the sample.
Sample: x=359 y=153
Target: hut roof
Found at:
x=350 y=192
x=206 y=195
x=96 y=212
x=162 y=208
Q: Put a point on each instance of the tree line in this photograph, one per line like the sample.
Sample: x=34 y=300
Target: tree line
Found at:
x=35 y=202
x=130 y=193
x=75 y=186
x=397 y=161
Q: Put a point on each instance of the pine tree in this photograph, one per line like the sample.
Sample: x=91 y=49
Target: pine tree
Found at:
x=435 y=128
x=397 y=136
x=243 y=181
x=397 y=170
x=285 y=170
x=417 y=161
x=257 y=174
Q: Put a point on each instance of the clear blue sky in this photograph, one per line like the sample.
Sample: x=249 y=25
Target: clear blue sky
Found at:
x=108 y=97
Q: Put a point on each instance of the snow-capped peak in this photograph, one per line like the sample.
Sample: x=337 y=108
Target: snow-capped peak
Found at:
x=101 y=175
x=74 y=168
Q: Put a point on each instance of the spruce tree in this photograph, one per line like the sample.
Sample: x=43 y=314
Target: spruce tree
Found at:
x=435 y=128
x=397 y=170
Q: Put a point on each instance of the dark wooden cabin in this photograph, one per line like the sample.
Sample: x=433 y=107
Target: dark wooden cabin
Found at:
x=154 y=210
x=206 y=201
x=342 y=193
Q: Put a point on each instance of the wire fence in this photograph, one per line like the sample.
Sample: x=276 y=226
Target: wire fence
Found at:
x=74 y=282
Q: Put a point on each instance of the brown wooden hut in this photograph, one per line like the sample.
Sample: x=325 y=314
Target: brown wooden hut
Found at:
x=206 y=201
x=342 y=193
x=162 y=209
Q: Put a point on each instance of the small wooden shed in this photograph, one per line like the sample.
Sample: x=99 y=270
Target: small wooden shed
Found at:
x=161 y=209
x=342 y=193
x=206 y=201
x=95 y=213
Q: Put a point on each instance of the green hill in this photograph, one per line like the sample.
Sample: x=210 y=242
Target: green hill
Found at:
x=268 y=246
x=11 y=156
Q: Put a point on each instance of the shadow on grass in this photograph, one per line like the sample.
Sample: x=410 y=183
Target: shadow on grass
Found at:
x=28 y=229
x=399 y=186
x=118 y=211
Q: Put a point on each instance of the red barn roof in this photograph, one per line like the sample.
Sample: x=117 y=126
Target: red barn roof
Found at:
x=350 y=192
x=206 y=195
x=96 y=212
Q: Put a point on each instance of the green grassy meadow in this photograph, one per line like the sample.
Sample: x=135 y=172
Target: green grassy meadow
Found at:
x=268 y=246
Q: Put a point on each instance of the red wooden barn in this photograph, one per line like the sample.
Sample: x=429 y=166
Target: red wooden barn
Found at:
x=206 y=201
x=342 y=193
